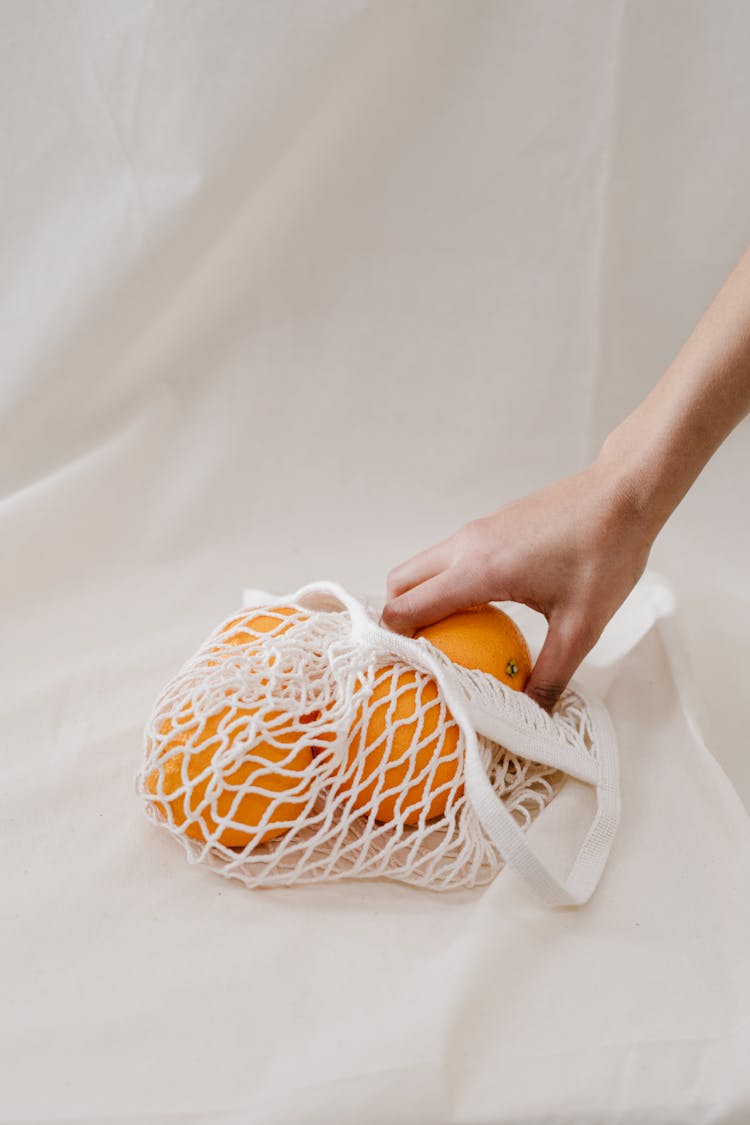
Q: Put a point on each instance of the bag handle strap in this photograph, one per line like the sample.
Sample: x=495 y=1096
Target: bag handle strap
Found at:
x=513 y=843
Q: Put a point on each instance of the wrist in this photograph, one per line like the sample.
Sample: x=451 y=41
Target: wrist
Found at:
x=631 y=481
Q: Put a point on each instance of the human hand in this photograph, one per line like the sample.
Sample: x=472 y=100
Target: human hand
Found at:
x=572 y=551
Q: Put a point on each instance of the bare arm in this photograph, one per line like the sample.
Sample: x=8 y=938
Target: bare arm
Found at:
x=660 y=449
x=575 y=550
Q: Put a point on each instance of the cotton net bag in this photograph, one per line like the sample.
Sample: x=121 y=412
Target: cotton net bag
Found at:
x=303 y=743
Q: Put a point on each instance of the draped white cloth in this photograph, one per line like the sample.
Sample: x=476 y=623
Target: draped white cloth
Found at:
x=291 y=292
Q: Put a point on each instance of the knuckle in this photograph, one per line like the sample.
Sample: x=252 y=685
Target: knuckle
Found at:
x=474 y=556
x=581 y=633
x=575 y=631
x=391 y=582
x=471 y=535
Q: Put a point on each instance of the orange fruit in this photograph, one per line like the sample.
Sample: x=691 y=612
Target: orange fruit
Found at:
x=395 y=774
x=250 y=624
x=276 y=768
x=483 y=637
x=273 y=770
x=251 y=627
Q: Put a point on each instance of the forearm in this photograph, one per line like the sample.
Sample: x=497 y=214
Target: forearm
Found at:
x=654 y=456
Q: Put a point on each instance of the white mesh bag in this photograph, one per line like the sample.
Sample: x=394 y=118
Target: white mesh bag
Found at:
x=303 y=742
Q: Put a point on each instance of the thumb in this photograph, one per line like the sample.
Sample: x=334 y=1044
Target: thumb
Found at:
x=564 y=648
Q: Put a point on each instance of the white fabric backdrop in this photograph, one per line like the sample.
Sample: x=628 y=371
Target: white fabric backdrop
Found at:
x=290 y=292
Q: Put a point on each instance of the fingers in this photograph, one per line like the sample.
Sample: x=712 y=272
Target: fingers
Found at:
x=418 y=569
x=450 y=576
x=421 y=605
x=564 y=648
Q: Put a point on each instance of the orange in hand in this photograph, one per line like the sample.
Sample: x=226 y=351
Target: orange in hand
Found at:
x=483 y=637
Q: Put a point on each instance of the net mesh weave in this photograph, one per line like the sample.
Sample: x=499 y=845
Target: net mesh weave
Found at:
x=289 y=750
